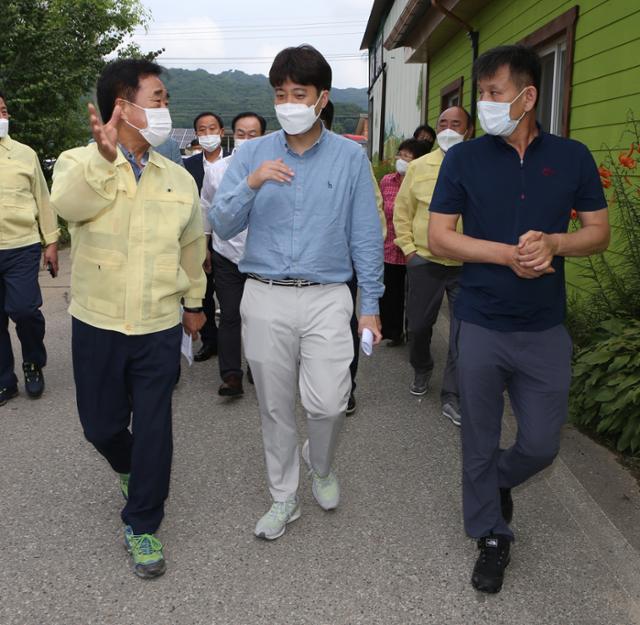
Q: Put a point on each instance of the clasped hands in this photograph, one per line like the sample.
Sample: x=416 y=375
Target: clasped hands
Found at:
x=532 y=256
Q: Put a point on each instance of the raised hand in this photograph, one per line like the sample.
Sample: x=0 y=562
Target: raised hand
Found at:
x=105 y=135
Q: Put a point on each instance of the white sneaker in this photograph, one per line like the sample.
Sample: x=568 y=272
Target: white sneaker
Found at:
x=273 y=524
x=452 y=413
x=325 y=489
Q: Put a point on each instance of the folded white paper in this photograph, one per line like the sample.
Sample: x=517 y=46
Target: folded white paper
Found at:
x=187 y=347
x=366 y=342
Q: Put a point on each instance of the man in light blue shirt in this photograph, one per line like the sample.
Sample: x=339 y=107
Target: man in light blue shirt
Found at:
x=307 y=198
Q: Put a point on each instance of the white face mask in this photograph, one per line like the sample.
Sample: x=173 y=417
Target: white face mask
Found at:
x=238 y=142
x=158 y=125
x=495 y=118
x=296 y=119
x=4 y=127
x=401 y=166
x=210 y=143
x=448 y=138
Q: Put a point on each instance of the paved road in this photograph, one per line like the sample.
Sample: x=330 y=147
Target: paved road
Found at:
x=393 y=553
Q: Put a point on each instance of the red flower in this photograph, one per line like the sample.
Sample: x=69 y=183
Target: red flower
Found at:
x=606 y=183
x=604 y=172
x=626 y=160
x=574 y=214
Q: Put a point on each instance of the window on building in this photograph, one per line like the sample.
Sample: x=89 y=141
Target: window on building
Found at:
x=552 y=86
x=554 y=42
x=451 y=95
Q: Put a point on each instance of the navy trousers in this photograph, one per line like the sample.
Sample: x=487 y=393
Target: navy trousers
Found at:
x=353 y=324
x=128 y=380
x=20 y=301
x=535 y=369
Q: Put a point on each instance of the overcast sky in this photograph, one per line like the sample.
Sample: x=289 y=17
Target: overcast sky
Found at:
x=246 y=34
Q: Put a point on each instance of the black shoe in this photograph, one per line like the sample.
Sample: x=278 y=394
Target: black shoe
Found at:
x=420 y=384
x=488 y=572
x=7 y=393
x=506 y=504
x=351 y=405
x=205 y=352
x=249 y=375
x=395 y=342
x=33 y=380
x=231 y=387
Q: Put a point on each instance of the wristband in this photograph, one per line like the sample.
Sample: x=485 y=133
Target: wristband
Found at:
x=199 y=309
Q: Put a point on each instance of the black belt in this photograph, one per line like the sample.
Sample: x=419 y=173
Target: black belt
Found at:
x=286 y=282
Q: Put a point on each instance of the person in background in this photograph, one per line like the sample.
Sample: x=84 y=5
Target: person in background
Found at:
x=326 y=116
x=137 y=251
x=392 y=302
x=429 y=276
x=306 y=195
x=226 y=256
x=171 y=150
x=194 y=148
x=209 y=129
x=515 y=188
x=26 y=217
x=427 y=134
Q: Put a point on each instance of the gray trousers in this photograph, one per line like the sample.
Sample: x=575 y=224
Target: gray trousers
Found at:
x=298 y=336
x=535 y=369
x=428 y=283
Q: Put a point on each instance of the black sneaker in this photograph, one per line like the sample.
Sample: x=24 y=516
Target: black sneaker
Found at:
x=506 y=504
x=205 y=352
x=351 y=405
x=488 y=572
x=7 y=393
x=33 y=380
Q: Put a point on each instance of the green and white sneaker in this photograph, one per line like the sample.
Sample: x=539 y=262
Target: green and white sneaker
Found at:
x=146 y=551
x=273 y=524
x=124 y=484
x=325 y=489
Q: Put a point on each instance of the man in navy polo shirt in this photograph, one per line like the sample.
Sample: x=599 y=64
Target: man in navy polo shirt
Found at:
x=514 y=188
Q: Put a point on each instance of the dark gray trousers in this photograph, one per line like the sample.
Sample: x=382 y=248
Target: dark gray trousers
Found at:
x=535 y=369
x=229 y=288
x=428 y=282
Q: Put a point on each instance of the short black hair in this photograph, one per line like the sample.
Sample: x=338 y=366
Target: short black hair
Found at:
x=239 y=116
x=416 y=147
x=121 y=79
x=2 y=96
x=194 y=142
x=303 y=65
x=523 y=62
x=424 y=127
x=207 y=114
x=326 y=115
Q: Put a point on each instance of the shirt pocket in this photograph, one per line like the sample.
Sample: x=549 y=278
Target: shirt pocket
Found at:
x=110 y=219
x=19 y=208
x=168 y=283
x=99 y=279
x=165 y=216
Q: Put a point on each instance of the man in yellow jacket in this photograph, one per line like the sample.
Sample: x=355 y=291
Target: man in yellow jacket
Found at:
x=26 y=218
x=429 y=276
x=137 y=250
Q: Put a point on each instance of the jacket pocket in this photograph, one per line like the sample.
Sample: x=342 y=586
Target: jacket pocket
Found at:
x=98 y=280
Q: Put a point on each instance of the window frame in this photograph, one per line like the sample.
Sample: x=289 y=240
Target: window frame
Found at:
x=453 y=88
x=563 y=26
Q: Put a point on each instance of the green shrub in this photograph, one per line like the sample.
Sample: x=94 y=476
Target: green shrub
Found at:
x=605 y=391
x=382 y=168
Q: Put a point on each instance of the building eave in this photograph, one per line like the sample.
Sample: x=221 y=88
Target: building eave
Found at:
x=379 y=10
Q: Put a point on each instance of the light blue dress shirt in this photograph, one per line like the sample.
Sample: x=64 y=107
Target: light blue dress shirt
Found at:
x=319 y=227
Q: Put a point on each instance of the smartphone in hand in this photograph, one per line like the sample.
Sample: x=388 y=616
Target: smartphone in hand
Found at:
x=51 y=270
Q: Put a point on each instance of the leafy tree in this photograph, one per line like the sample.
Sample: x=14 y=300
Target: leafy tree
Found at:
x=51 y=53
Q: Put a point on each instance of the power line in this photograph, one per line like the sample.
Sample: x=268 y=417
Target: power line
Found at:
x=276 y=27
x=214 y=36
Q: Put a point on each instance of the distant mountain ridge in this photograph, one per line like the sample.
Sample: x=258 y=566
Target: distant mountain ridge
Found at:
x=233 y=91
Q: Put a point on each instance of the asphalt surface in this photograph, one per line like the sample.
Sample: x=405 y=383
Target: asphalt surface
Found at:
x=393 y=553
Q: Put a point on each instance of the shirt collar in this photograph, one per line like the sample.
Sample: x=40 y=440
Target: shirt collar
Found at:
x=6 y=142
x=324 y=133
